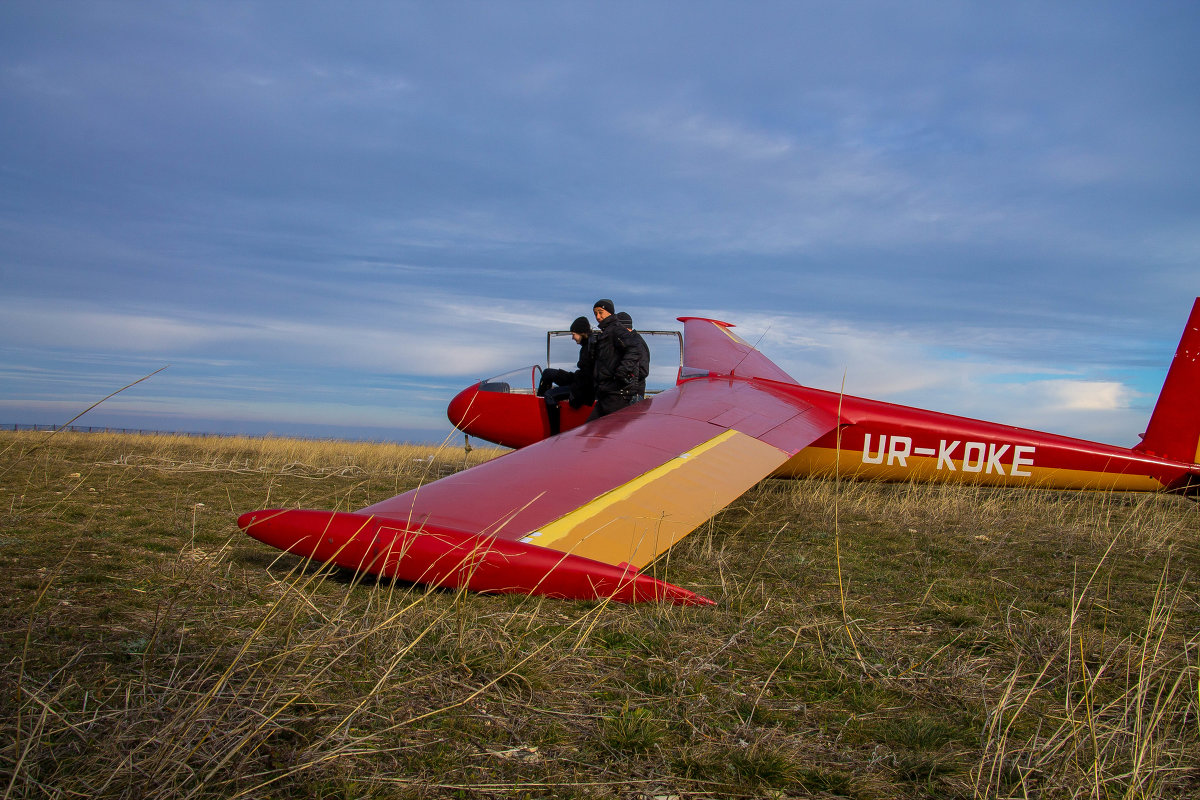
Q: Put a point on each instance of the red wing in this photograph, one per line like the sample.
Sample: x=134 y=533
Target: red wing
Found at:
x=578 y=514
x=624 y=488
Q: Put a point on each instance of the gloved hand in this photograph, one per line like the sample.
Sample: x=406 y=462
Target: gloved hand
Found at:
x=544 y=385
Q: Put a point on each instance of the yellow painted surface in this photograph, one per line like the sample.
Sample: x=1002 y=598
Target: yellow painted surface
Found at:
x=823 y=461
x=636 y=522
x=725 y=330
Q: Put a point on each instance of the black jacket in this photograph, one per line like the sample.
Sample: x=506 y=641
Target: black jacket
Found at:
x=582 y=391
x=579 y=381
x=616 y=357
x=643 y=365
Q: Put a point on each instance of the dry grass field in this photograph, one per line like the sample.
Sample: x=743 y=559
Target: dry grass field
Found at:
x=869 y=641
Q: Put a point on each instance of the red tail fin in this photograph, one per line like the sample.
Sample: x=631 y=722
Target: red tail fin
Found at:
x=1174 y=430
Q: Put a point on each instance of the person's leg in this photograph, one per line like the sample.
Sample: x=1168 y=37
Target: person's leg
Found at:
x=553 y=397
x=607 y=404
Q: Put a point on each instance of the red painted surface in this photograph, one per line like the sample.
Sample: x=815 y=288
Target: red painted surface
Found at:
x=509 y=419
x=1174 y=429
x=516 y=493
x=885 y=441
x=446 y=557
x=996 y=454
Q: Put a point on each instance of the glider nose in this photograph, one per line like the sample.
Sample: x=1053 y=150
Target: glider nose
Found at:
x=460 y=409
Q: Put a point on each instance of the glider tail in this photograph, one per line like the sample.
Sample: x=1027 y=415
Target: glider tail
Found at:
x=1174 y=429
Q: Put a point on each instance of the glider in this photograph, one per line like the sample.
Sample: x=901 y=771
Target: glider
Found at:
x=580 y=514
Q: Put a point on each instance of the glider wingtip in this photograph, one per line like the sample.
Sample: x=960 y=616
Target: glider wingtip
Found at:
x=255 y=517
x=648 y=589
x=446 y=557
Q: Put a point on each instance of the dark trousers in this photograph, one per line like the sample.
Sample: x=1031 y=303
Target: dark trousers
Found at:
x=553 y=397
x=608 y=403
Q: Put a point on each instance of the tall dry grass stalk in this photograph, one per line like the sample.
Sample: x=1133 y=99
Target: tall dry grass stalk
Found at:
x=1114 y=721
x=311 y=458
x=262 y=695
x=1144 y=520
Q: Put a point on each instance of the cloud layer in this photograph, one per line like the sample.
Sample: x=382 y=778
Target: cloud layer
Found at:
x=987 y=210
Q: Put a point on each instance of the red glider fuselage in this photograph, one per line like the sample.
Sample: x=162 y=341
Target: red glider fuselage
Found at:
x=884 y=441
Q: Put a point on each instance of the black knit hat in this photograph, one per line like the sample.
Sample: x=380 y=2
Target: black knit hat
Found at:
x=624 y=318
x=607 y=305
x=581 y=326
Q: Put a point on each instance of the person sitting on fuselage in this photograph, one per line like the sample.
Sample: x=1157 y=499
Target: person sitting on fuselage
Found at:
x=558 y=385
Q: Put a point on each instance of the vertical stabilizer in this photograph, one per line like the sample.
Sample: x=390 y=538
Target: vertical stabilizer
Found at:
x=1174 y=430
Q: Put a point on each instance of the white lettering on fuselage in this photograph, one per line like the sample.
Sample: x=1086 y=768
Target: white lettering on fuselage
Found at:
x=1019 y=451
x=899 y=450
x=878 y=457
x=984 y=457
x=945 y=451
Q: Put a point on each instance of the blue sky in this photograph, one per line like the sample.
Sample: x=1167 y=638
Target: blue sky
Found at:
x=329 y=217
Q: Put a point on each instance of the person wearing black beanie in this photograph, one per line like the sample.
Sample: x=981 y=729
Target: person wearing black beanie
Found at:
x=558 y=385
x=614 y=364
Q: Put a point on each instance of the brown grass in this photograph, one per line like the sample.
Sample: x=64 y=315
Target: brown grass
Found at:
x=979 y=643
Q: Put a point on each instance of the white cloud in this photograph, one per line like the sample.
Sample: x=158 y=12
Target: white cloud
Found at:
x=422 y=333
x=1067 y=395
x=80 y=328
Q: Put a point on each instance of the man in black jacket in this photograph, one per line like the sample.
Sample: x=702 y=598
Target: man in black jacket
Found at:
x=616 y=357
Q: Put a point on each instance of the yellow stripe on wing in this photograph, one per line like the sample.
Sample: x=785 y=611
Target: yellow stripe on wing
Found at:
x=725 y=330
x=638 y=520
